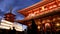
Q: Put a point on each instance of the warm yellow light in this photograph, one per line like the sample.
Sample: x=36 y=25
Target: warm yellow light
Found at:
x=38 y=27
x=19 y=29
x=47 y=24
x=5 y=24
x=50 y=7
x=54 y=5
x=32 y=15
x=43 y=8
x=4 y=21
x=58 y=24
x=4 y=27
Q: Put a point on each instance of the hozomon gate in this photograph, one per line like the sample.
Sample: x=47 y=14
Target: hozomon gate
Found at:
x=46 y=15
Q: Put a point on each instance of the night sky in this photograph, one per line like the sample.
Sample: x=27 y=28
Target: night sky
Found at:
x=16 y=5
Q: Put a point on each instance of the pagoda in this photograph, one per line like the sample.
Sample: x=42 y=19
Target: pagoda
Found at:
x=9 y=16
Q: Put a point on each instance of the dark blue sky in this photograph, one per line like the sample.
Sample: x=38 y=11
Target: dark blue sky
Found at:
x=16 y=5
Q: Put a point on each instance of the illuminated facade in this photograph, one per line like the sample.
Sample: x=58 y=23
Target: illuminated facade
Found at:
x=46 y=15
x=41 y=8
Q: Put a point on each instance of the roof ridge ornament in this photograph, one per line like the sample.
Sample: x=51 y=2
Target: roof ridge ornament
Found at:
x=10 y=9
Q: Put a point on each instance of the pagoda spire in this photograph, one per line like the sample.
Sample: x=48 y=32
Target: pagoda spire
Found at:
x=10 y=9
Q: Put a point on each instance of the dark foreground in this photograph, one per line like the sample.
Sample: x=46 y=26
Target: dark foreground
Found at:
x=3 y=31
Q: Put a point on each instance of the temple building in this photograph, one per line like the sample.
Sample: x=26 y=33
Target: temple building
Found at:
x=44 y=15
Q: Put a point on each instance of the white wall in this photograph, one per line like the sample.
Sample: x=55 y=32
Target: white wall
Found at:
x=7 y=25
